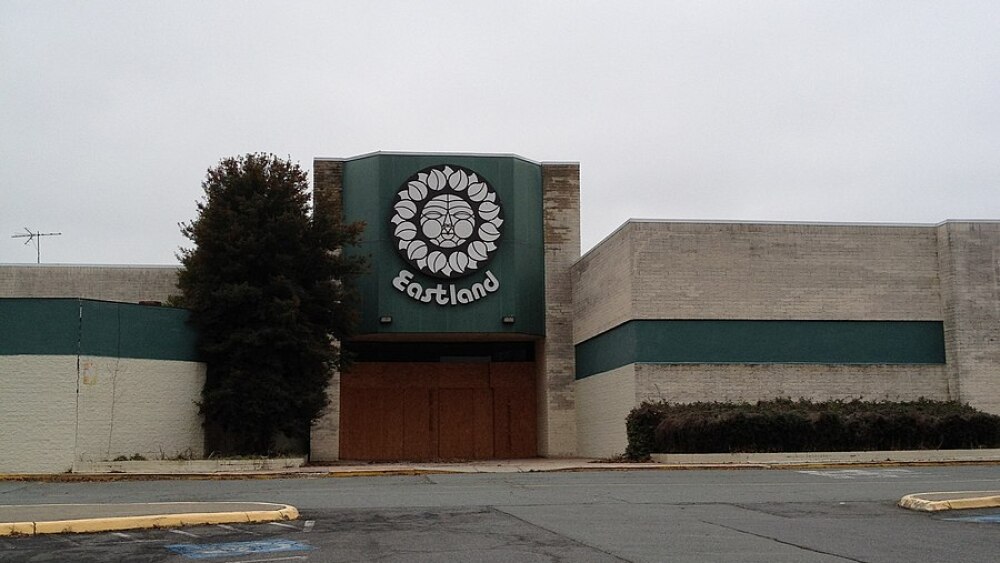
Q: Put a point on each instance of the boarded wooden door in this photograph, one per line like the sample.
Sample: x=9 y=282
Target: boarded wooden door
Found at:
x=431 y=411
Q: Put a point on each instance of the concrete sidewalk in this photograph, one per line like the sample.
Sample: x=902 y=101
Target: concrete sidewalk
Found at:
x=31 y=519
x=295 y=467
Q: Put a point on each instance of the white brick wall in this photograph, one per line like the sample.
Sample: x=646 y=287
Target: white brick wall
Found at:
x=688 y=383
x=602 y=403
x=37 y=414
x=124 y=407
x=130 y=406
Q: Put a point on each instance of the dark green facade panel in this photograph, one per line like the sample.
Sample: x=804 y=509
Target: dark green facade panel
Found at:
x=370 y=185
x=95 y=328
x=39 y=327
x=762 y=342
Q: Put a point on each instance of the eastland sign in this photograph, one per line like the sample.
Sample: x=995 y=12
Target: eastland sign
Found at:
x=445 y=294
x=447 y=224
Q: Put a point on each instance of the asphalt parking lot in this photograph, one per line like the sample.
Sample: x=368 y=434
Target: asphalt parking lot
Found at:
x=735 y=515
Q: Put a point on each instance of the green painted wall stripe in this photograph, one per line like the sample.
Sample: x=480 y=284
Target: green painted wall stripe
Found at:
x=95 y=328
x=39 y=327
x=753 y=342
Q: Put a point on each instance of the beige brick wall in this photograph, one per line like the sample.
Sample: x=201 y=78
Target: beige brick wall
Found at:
x=969 y=254
x=130 y=284
x=785 y=271
x=602 y=286
x=683 y=270
x=124 y=407
x=328 y=188
x=324 y=438
x=602 y=403
x=556 y=355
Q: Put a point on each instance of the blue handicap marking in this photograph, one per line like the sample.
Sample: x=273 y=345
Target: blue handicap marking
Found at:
x=209 y=550
x=984 y=519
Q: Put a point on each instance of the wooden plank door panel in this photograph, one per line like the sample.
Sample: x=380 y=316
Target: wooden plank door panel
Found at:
x=456 y=423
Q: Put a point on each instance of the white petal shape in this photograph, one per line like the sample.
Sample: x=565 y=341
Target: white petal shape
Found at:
x=489 y=210
x=416 y=250
x=477 y=191
x=458 y=261
x=491 y=246
x=417 y=190
x=491 y=197
x=406 y=209
x=478 y=250
x=458 y=180
x=436 y=261
x=488 y=232
x=406 y=231
x=436 y=180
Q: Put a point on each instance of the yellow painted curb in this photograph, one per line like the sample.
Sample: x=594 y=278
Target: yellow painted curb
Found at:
x=110 y=524
x=915 y=502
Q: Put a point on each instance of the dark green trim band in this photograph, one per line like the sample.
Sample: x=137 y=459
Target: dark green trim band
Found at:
x=69 y=327
x=761 y=342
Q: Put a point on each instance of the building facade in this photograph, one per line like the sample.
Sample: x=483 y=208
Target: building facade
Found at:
x=485 y=334
x=687 y=312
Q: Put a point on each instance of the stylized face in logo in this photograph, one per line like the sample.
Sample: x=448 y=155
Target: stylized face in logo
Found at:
x=447 y=221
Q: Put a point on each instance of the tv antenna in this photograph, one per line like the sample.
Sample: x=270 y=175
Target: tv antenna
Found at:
x=37 y=237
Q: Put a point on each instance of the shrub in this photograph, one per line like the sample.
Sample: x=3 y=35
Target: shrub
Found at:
x=783 y=425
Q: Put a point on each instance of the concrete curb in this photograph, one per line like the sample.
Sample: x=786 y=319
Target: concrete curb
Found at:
x=155 y=519
x=793 y=458
x=189 y=466
x=960 y=500
x=664 y=462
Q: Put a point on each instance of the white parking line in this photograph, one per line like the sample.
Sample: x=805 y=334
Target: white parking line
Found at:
x=183 y=533
x=308 y=526
x=283 y=525
x=856 y=473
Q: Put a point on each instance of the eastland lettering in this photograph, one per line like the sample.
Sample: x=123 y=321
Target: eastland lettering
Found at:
x=445 y=294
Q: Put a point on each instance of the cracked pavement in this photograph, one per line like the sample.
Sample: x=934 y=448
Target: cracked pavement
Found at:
x=736 y=515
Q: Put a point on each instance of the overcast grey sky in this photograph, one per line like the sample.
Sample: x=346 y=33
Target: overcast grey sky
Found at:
x=857 y=111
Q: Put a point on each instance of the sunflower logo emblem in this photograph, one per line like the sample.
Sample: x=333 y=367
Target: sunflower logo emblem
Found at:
x=447 y=221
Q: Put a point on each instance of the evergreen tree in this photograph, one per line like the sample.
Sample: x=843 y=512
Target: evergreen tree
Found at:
x=269 y=292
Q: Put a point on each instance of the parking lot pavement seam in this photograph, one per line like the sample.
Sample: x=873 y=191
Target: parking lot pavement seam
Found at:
x=115 y=523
